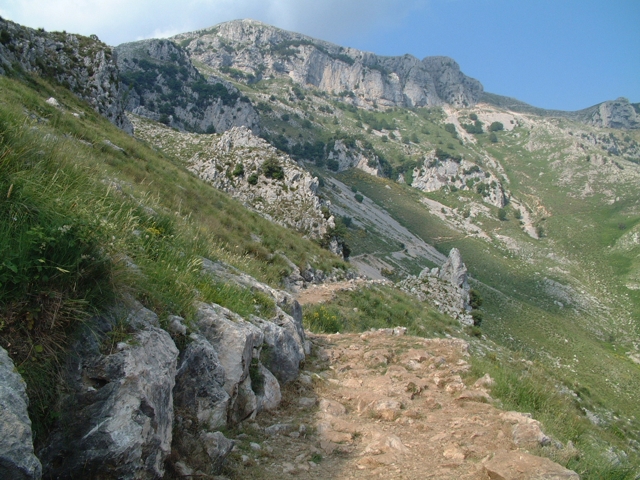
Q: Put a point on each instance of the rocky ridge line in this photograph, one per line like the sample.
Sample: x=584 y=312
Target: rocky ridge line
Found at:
x=85 y=65
x=163 y=85
x=257 y=50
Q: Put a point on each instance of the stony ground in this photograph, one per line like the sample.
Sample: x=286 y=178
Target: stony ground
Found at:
x=386 y=405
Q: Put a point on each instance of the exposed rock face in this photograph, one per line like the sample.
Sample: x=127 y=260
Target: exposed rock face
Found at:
x=117 y=418
x=454 y=270
x=237 y=342
x=260 y=50
x=437 y=173
x=199 y=390
x=17 y=460
x=249 y=169
x=446 y=288
x=165 y=86
x=617 y=113
x=84 y=64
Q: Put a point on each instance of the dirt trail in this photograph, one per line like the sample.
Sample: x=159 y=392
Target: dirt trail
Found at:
x=386 y=405
x=325 y=291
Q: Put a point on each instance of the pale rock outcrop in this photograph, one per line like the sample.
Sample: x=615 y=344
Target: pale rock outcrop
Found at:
x=446 y=288
x=234 y=340
x=237 y=162
x=260 y=50
x=281 y=353
x=617 y=113
x=437 y=173
x=17 y=459
x=84 y=64
x=199 y=393
x=355 y=157
x=117 y=417
x=197 y=104
x=268 y=394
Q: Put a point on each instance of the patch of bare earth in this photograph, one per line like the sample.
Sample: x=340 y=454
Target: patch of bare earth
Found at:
x=385 y=405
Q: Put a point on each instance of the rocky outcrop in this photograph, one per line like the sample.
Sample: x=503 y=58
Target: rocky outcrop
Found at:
x=446 y=288
x=440 y=170
x=163 y=85
x=83 y=64
x=17 y=459
x=515 y=465
x=252 y=50
x=617 y=113
x=250 y=170
x=117 y=417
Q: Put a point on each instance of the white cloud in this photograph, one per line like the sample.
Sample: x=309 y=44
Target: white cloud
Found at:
x=117 y=21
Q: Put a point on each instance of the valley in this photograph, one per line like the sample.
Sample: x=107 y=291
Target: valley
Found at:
x=244 y=166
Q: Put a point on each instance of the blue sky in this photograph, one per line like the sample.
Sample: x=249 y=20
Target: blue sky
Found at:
x=561 y=54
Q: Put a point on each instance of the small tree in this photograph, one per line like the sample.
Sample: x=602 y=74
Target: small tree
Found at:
x=496 y=127
x=272 y=169
x=502 y=215
x=359 y=198
x=253 y=179
x=238 y=171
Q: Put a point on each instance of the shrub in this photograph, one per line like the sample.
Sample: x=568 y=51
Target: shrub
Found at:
x=238 y=171
x=272 y=169
x=253 y=179
x=477 y=318
x=502 y=215
x=359 y=198
x=475 y=300
x=496 y=127
x=493 y=138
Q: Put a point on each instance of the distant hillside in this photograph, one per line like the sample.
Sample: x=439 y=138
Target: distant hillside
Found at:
x=253 y=50
x=619 y=113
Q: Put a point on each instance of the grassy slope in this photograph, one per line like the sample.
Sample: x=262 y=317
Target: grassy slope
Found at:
x=581 y=348
x=75 y=213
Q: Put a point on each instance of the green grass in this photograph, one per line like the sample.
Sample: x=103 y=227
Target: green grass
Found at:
x=76 y=214
x=376 y=306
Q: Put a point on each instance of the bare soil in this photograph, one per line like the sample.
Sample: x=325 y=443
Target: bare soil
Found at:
x=386 y=405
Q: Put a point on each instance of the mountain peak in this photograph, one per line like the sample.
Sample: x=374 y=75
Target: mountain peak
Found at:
x=258 y=50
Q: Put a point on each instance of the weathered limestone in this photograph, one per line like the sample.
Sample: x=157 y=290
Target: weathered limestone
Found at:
x=17 y=459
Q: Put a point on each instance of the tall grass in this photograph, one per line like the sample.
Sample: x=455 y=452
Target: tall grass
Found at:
x=83 y=224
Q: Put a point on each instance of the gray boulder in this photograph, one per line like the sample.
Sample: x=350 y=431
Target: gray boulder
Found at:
x=454 y=270
x=268 y=393
x=17 y=460
x=199 y=395
x=281 y=353
x=237 y=343
x=117 y=418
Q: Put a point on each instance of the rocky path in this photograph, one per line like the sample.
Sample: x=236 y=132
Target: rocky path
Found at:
x=386 y=405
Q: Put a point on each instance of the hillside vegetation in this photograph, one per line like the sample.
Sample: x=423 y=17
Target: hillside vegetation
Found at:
x=543 y=208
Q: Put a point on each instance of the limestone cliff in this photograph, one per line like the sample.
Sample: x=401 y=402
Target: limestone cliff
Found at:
x=252 y=50
x=163 y=85
x=83 y=64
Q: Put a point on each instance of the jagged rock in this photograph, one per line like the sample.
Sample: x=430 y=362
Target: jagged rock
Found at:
x=268 y=392
x=217 y=446
x=176 y=325
x=517 y=465
x=117 y=419
x=454 y=270
x=260 y=50
x=17 y=459
x=237 y=342
x=617 y=113
x=436 y=173
x=85 y=64
x=199 y=392
x=199 y=104
x=446 y=288
x=527 y=432
x=281 y=353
